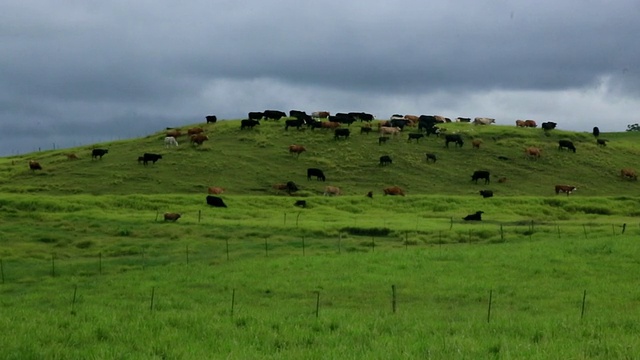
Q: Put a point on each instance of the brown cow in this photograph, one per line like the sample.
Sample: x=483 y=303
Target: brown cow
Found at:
x=628 y=174
x=34 y=165
x=174 y=133
x=194 y=131
x=215 y=190
x=440 y=118
x=520 y=123
x=476 y=143
x=331 y=190
x=502 y=180
x=565 y=188
x=296 y=149
x=71 y=156
x=329 y=125
x=198 y=139
x=171 y=216
x=533 y=152
x=413 y=118
x=320 y=114
x=530 y=123
x=393 y=190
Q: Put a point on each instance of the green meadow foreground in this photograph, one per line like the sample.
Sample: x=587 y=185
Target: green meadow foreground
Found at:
x=99 y=275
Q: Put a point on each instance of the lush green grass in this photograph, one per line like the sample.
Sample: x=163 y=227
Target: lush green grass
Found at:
x=248 y=162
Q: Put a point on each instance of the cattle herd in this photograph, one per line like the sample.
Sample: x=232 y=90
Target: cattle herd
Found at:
x=340 y=123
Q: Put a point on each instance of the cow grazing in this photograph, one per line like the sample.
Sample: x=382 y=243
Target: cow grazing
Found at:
x=215 y=201
x=431 y=157
x=338 y=133
x=140 y=159
x=315 y=172
x=365 y=130
x=481 y=174
x=413 y=118
x=34 y=165
x=474 y=217
x=171 y=216
x=530 y=123
x=274 y=114
x=565 y=188
x=629 y=174
x=289 y=187
x=476 y=143
x=255 y=115
x=150 y=157
x=385 y=160
x=520 y=123
x=198 y=139
x=393 y=190
x=566 y=144
x=331 y=190
x=596 y=131
x=602 y=142
x=483 y=121
x=98 y=153
x=71 y=156
x=532 y=152
x=383 y=140
x=296 y=123
x=550 y=125
x=194 y=131
x=170 y=141
x=343 y=118
x=215 y=190
x=388 y=130
x=175 y=133
x=248 y=124
x=301 y=203
x=329 y=125
x=370 y=195
x=296 y=149
x=399 y=123
x=486 y=193
x=417 y=137
x=211 y=118
x=455 y=138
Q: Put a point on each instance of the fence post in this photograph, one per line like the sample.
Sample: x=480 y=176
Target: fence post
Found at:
x=584 y=299
x=501 y=233
x=53 y=265
x=1 y=271
x=339 y=243
x=303 y=246
x=73 y=302
x=624 y=227
x=489 y=310
x=266 y=248
x=153 y=293
x=233 y=300
x=100 y=263
x=199 y=215
x=317 y=303
x=393 y=298
x=298 y=217
x=584 y=228
x=187 y=254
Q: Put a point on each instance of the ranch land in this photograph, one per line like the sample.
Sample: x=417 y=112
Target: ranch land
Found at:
x=90 y=270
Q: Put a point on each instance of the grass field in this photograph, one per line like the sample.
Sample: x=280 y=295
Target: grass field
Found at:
x=89 y=270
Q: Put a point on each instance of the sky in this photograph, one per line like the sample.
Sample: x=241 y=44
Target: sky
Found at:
x=80 y=72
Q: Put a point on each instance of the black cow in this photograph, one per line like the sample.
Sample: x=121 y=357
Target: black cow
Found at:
x=596 y=131
x=431 y=157
x=486 y=193
x=566 y=144
x=341 y=132
x=365 y=130
x=274 y=114
x=150 y=157
x=315 y=172
x=95 y=153
x=297 y=114
x=463 y=119
x=385 y=160
x=417 y=137
x=297 y=123
x=474 y=217
x=255 y=115
x=301 y=203
x=399 y=123
x=343 y=118
x=248 y=123
x=211 y=119
x=456 y=138
x=501 y=157
x=602 y=142
x=140 y=159
x=382 y=139
x=481 y=174
x=362 y=116
x=291 y=187
x=313 y=124
x=549 y=125
x=215 y=201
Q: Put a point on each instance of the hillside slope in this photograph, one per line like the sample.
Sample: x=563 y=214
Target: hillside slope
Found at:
x=249 y=162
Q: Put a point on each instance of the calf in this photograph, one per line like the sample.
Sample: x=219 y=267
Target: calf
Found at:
x=383 y=140
x=431 y=157
x=331 y=190
x=72 y=156
x=170 y=141
x=34 y=165
x=150 y=157
x=341 y=133
x=296 y=149
x=481 y=174
x=98 y=153
x=248 y=123
x=215 y=190
x=297 y=123
x=474 y=217
x=455 y=138
x=486 y=193
x=476 y=143
x=602 y=142
x=171 y=216
x=211 y=119
x=566 y=144
x=415 y=136
x=565 y=188
x=628 y=174
x=315 y=172
x=385 y=160
x=393 y=190
x=365 y=130
x=215 y=201
x=301 y=203
x=289 y=187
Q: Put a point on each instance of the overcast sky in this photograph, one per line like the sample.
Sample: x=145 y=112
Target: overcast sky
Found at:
x=80 y=72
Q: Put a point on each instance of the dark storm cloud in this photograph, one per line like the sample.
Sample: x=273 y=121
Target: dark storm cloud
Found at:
x=89 y=66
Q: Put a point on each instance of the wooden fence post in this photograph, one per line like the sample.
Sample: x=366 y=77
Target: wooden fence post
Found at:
x=489 y=309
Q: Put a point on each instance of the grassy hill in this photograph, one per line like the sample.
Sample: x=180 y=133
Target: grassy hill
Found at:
x=249 y=162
